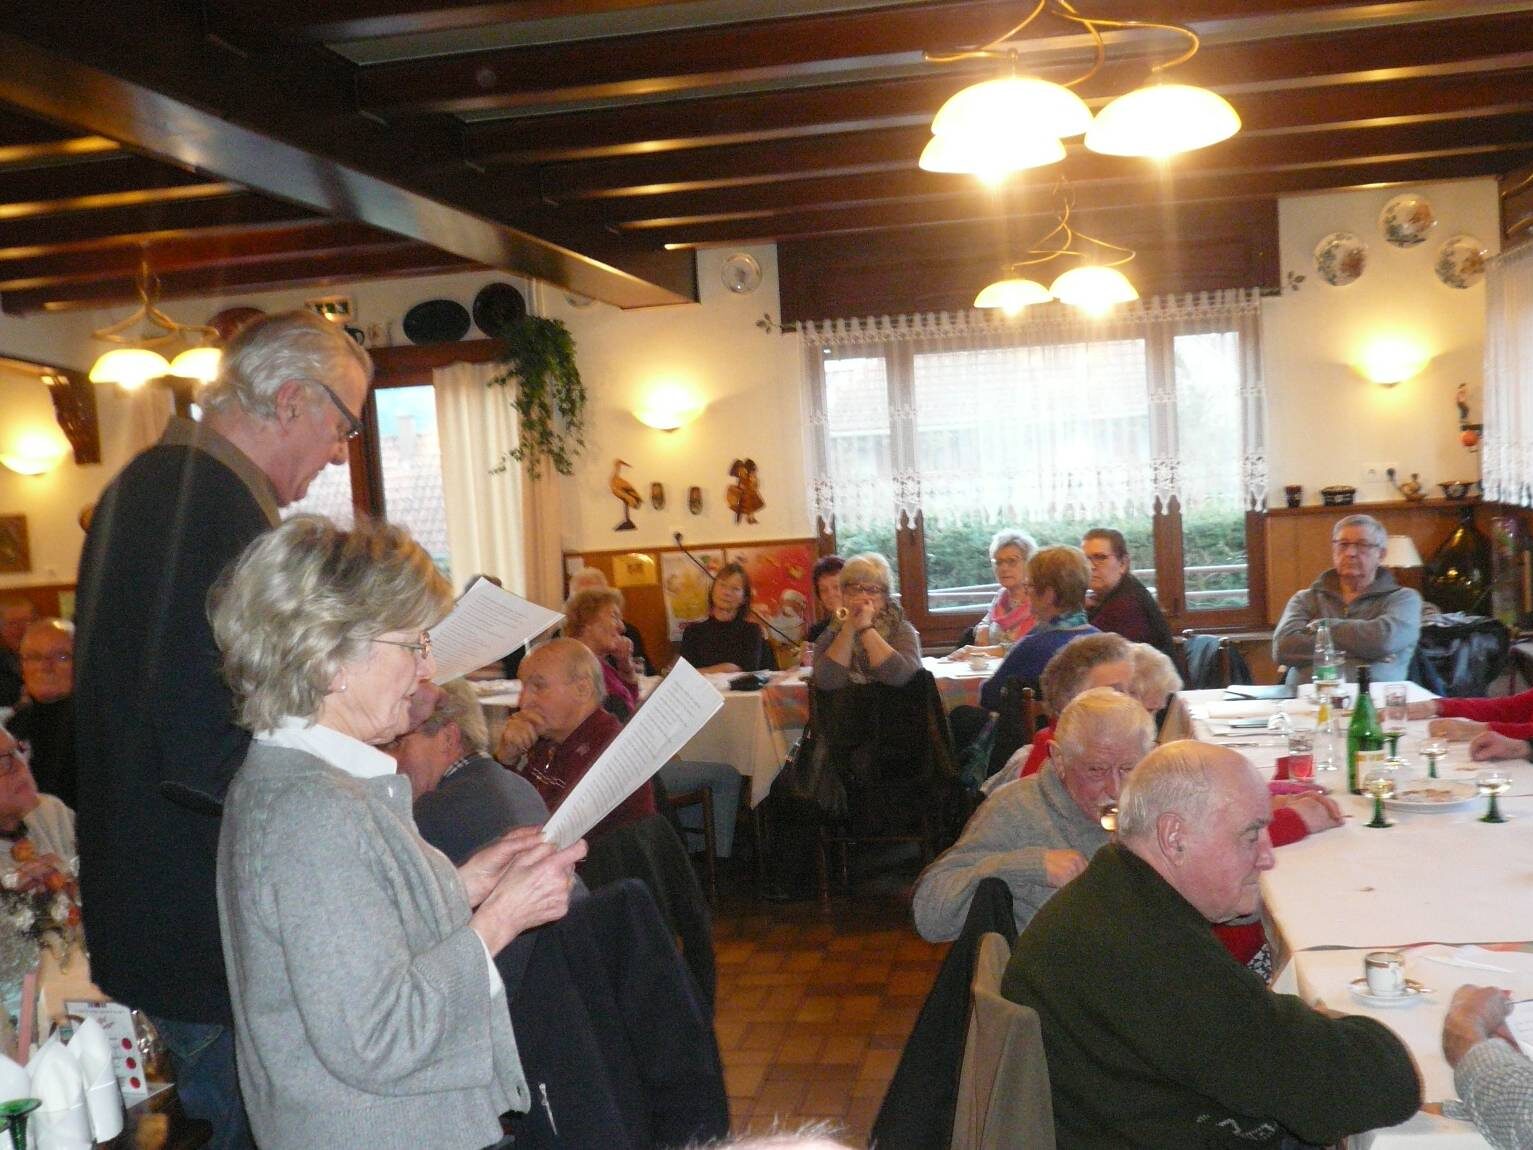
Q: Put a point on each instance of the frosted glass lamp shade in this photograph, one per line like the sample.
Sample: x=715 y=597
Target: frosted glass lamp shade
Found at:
x=1093 y=288
x=1011 y=102
x=1012 y=295
x=990 y=158
x=199 y=363
x=1160 y=120
x=129 y=367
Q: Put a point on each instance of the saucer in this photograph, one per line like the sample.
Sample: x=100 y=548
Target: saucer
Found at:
x=1413 y=991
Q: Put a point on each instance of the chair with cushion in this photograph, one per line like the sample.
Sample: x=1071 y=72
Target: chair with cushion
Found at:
x=1003 y=1090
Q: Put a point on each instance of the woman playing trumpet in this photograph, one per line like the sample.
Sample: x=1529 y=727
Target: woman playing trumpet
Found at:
x=869 y=639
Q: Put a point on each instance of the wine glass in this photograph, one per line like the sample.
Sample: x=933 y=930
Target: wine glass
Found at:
x=1109 y=819
x=15 y=1114
x=1395 y=711
x=1379 y=781
x=1432 y=750
x=1494 y=782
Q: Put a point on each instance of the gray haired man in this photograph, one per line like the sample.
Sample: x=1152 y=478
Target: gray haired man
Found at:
x=155 y=734
x=1373 y=619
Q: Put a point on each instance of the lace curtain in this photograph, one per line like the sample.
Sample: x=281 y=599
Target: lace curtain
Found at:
x=1506 y=452
x=1047 y=416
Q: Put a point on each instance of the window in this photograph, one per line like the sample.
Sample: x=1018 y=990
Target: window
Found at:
x=930 y=433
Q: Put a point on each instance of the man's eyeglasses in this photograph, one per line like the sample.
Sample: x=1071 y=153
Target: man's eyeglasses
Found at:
x=353 y=424
x=421 y=650
x=1098 y=772
x=865 y=589
x=56 y=657
x=1098 y=560
x=1353 y=545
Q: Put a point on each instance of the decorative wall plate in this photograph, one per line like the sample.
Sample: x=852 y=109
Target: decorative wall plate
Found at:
x=436 y=321
x=497 y=307
x=1340 y=258
x=1406 y=220
x=741 y=273
x=1461 y=261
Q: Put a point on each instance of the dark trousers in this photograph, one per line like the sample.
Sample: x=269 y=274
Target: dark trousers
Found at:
x=202 y=1056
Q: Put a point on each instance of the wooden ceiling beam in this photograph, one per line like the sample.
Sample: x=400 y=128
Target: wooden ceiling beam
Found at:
x=142 y=223
x=110 y=174
x=184 y=252
x=300 y=269
x=336 y=20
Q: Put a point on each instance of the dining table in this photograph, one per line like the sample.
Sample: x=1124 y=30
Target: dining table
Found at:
x=1450 y=892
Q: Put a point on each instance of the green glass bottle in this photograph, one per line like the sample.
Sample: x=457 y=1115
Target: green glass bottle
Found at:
x=1365 y=736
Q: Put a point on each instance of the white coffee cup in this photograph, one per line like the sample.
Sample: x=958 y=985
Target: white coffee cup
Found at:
x=1385 y=971
x=978 y=663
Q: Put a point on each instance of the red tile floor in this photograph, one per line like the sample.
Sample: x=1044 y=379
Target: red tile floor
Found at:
x=814 y=1004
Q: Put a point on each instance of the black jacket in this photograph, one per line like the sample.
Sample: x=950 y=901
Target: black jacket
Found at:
x=155 y=729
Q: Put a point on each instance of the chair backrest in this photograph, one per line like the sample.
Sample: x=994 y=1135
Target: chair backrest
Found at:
x=878 y=734
x=1004 y=1101
x=1016 y=723
x=1208 y=661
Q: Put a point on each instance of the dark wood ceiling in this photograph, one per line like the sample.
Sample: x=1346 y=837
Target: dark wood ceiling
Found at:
x=252 y=144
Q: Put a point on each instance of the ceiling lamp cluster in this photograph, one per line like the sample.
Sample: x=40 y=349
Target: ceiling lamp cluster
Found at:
x=1094 y=284
x=1015 y=122
x=145 y=337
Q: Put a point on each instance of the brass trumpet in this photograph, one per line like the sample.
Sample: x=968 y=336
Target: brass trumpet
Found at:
x=842 y=614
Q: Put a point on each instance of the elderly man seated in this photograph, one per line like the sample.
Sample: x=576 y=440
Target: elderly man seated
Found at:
x=27 y=816
x=561 y=729
x=1038 y=832
x=46 y=719
x=1155 y=1036
x=1373 y=619
x=463 y=797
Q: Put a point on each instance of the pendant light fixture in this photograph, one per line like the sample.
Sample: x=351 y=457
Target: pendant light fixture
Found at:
x=145 y=337
x=1094 y=283
x=1156 y=120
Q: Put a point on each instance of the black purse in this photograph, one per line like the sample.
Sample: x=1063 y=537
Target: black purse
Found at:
x=807 y=775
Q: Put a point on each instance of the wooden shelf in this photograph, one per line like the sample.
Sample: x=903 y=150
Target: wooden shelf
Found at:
x=1370 y=508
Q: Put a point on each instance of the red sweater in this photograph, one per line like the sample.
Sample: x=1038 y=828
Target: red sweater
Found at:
x=1510 y=715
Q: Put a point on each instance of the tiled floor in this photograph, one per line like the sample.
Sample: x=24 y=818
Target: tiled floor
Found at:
x=814 y=1006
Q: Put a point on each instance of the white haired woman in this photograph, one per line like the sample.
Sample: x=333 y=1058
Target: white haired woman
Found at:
x=874 y=643
x=1010 y=614
x=367 y=1007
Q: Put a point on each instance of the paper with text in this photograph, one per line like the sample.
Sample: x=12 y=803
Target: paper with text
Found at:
x=1519 y=1024
x=676 y=711
x=486 y=623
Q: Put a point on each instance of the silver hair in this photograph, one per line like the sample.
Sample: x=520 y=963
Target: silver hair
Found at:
x=459 y=705
x=586 y=579
x=869 y=567
x=1377 y=533
x=306 y=599
x=1011 y=537
x=576 y=660
x=1103 y=716
x=1065 y=672
x=1154 y=673
x=1175 y=777
x=583 y=608
x=295 y=346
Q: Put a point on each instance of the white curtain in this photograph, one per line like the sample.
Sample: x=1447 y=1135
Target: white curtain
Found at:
x=1506 y=451
x=476 y=426
x=1051 y=415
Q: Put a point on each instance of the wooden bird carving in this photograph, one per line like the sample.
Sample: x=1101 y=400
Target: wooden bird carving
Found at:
x=625 y=491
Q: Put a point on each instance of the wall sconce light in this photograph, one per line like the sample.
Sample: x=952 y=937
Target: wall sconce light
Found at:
x=667 y=408
x=35 y=454
x=1389 y=360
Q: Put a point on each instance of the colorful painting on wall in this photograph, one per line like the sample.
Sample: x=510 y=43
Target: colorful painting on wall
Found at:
x=686 y=587
x=781 y=591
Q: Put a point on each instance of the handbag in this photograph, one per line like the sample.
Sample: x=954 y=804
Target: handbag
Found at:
x=807 y=775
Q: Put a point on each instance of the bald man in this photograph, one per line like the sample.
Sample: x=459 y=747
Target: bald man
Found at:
x=1155 y=1035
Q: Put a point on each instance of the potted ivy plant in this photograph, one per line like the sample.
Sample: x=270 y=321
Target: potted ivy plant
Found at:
x=550 y=399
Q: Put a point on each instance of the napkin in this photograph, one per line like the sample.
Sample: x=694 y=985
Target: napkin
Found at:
x=62 y=1122
x=1250 y=709
x=103 y=1100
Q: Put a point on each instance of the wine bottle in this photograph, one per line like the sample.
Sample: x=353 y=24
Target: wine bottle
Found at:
x=1365 y=737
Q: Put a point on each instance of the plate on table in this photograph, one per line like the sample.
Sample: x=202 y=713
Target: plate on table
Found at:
x=1414 y=992
x=1432 y=795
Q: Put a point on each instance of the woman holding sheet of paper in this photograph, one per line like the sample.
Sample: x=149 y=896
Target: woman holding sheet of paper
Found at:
x=367 y=1006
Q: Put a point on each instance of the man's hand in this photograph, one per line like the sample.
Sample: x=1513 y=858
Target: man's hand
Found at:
x=1475 y=1014
x=1421 y=709
x=1456 y=729
x=1060 y=866
x=1319 y=812
x=517 y=736
x=1489 y=745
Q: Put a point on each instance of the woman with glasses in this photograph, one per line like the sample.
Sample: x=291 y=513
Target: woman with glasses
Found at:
x=874 y=643
x=728 y=640
x=367 y=1007
x=1057 y=579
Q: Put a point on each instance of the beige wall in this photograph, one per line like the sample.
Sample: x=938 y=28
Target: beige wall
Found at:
x=1325 y=420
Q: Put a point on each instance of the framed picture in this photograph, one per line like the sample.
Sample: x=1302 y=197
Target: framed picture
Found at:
x=15 y=555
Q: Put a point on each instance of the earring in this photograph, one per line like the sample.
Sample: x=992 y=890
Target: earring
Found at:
x=342 y=688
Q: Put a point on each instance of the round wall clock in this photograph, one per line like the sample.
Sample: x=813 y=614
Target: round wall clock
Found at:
x=741 y=273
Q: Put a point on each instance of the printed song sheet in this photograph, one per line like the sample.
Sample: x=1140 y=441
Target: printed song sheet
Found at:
x=486 y=623
x=677 y=710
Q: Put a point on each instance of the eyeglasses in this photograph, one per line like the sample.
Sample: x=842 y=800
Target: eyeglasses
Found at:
x=10 y=760
x=422 y=650
x=1121 y=770
x=1353 y=545
x=1098 y=560
x=56 y=657
x=353 y=424
x=866 y=589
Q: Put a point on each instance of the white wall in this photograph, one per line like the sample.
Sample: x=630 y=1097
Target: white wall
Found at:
x=1326 y=421
x=749 y=380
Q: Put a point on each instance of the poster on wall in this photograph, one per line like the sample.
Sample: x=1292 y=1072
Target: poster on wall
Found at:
x=781 y=592
x=686 y=587
x=15 y=553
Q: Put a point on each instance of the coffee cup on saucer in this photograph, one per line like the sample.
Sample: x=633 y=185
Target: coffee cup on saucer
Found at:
x=1385 y=973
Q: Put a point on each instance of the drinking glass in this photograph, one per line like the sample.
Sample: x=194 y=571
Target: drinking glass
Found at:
x=15 y=1114
x=1493 y=782
x=1433 y=750
x=982 y=634
x=1394 y=709
x=1380 y=783
x=1301 y=754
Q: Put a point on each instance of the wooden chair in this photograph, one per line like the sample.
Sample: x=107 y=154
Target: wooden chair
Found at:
x=698 y=796
x=1016 y=723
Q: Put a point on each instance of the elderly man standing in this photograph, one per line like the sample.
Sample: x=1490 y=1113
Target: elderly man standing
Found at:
x=1039 y=832
x=561 y=729
x=16 y=615
x=46 y=720
x=1155 y=1035
x=154 y=720
x=1373 y=619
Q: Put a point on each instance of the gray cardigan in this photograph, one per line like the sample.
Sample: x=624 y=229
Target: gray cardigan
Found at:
x=362 y=1003
x=895 y=671
x=1006 y=837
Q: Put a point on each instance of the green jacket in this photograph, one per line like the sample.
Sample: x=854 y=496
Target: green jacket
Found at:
x=1156 y=1037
